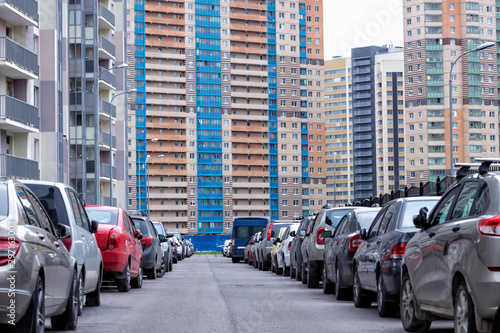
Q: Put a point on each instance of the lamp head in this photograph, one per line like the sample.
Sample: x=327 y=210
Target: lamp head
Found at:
x=485 y=46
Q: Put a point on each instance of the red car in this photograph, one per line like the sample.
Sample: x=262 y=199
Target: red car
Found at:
x=119 y=242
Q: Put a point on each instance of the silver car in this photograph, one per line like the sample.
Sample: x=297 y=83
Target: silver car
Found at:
x=38 y=276
x=63 y=205
x=451 y=266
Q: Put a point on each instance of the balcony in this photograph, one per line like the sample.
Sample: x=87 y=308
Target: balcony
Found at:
x=18 y=116
x=105 y=139
x=107 y=80
x=106 y=18
x=18 y=167
x=19 y=12
x=106 y=48
x=107 y=109
x=16 y=61
x=106 y=171
x=106 y=201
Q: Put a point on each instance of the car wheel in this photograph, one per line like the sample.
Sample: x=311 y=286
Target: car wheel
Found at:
x=94 y=298
x=312 y=277
x=80 y=294
x=137 y=282
x=235 y=260
x=286 y=270
x=34 y=317
x=303 y=274
x=163 y=268
x=407 y=307
x=124 y=284
x=361 y=300
x=341 y=293
x=170 y=265
x=151 y=273
x=464 y=317
x=174 y=260
x=328 y=287
x=292 y=271
x=69 y=318
x=385 y=309
x=260 y=265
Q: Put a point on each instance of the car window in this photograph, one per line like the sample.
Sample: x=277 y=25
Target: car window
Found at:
x=103 y=216
x=320 y=217
x=52 y=200
x=482 y=201
x=341 y=227
x=28 y=208
x=76 y=211
x=364 y=220
x=335 y=215
x=80 y=215
x=131 y=226
x=152 y=229
x=444 y=207
x=141 y=226
x=465 y=200
x=376 y=223
x=43 y=218
x=388 y=216
x=159 y=229
x=412 y=208
x=126 y=222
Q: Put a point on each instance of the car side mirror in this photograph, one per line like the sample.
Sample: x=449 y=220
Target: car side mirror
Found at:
x=292 y=234
x=363 y=234
x=93 y=226
x=327 y=234
x=169 y=236
x=420 y=220
x=137 y=234
x=302 y=233
x=63 y=231
x=162 y=238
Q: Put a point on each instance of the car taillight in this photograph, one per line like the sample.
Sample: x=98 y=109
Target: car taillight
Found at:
x=490 y=227
x=146 y=241
x=289 y=245
x=9 y=247
x=269 y=231
x=354 y=242
x=232 y=239
x=320 y=240
x=398 y=251
x=114 y=239
x=67 y=242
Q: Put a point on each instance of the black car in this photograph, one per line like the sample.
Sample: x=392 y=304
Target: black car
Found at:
x=378 y=260
x=152 y=254
x=295 y=252
x=340 y=248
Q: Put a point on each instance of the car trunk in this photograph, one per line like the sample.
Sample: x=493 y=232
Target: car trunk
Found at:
x=102 y=235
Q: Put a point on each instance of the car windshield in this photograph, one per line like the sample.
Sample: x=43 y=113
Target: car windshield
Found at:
x=247 y=231
x=335 y=215
x=412 y=208
x=4 y=199
x=365 y=219
x=142 y=226
x=103 y=216
x=159 y=229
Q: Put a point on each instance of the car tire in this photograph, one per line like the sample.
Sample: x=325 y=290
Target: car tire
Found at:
x=312 y=277
x=124 y=284
x=94 y=298
x=170 y=265
x=385 y=309
x=359 y=296
x=260 y=266
x=81 y=296
x=408 y=306
x=33 y=319
x=68 y=320
x=464 y=318
x=137 y=281
x=341 y=293
x=174 y=260
x=151 y=273
x=286 y=270
x=304 y=274
x=235 y=260
x=328 y=286
x=279 y=270
x=163 y=268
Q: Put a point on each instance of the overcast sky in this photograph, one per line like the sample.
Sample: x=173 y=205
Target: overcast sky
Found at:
x=358 y=23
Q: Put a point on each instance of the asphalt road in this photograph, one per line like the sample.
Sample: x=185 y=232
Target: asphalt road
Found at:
x=208 y=293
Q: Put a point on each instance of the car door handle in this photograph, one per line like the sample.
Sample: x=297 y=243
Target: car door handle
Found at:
x=455 y=229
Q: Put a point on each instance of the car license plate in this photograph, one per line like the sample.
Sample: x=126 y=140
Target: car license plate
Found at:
x=241 y=247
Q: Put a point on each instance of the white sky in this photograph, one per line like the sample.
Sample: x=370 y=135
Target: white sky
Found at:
x=356 y=23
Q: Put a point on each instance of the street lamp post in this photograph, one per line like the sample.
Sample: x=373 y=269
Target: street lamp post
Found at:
x=479 y=48
x=148 y=157
x=334 y=182
x=140 y=176
x=111 y=146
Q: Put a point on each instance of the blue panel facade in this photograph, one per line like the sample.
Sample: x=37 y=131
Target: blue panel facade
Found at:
x=209 y=117
x=273 y=109
x=303 y=104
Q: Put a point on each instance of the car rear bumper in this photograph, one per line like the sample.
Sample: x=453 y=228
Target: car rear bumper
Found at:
x=114 y=260
x=486 y=302
x=16 y=288
x=392 y=276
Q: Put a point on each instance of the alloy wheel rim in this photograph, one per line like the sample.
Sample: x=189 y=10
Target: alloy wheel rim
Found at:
x=75 y=300
x=139 y=277
x=127 y=279
x=40 y=317
x=461 y=319
x=80 y=294
x=407 y=303
x=379 y=293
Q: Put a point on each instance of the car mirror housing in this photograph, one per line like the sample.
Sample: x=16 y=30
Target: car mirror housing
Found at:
x=302 y=233
x=94 y=226
x=137 y=234
x=420 y=220
x=292 y=234
x=363 y=234
x=63 y=231
x=162 y=238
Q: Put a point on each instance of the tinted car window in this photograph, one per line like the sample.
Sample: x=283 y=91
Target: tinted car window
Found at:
x=335 y=215
x=141 y=226
x=43 y=219
x=103 y=216
x=4 y=199
x=152 y=229
x=413 y=208
x=391 y=210
x=444 y=207
x=364 y=221
x=343 y=224
x=482 y=202
x=83 y=216
x=53 y=202
x=376 y=224
x=465 y=200
x=159 y=229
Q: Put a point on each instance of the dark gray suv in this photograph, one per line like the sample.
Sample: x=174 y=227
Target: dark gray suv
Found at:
x=152 y=253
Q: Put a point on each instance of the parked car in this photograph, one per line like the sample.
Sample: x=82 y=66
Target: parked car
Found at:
x=243 y=228
x=225 y=247
x=266 y=244
x=247 y=253
x=340 y=248
x=182 y=241
x=178 y=249
x=166 y=245
x=153 y=263
x=119 y=242
x=63 y=205
x=451 y=265
x=295 y=248
x=175 y=245
x=46 y=274
x=274 y=259
x=190 y=247
x=314 y=243
x=253 y=250
x=378 y=260
x=283 y=256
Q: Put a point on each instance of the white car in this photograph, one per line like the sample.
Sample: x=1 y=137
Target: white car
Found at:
x=283 y=251
x=226 y=248
x=63 y=205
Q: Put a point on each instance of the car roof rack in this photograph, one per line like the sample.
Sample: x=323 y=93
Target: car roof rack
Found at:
x=482 y=167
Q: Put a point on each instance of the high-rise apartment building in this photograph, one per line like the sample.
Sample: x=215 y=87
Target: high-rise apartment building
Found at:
x=229 y=111
x=364 y=103
x=19 y=114
x=436 y=33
